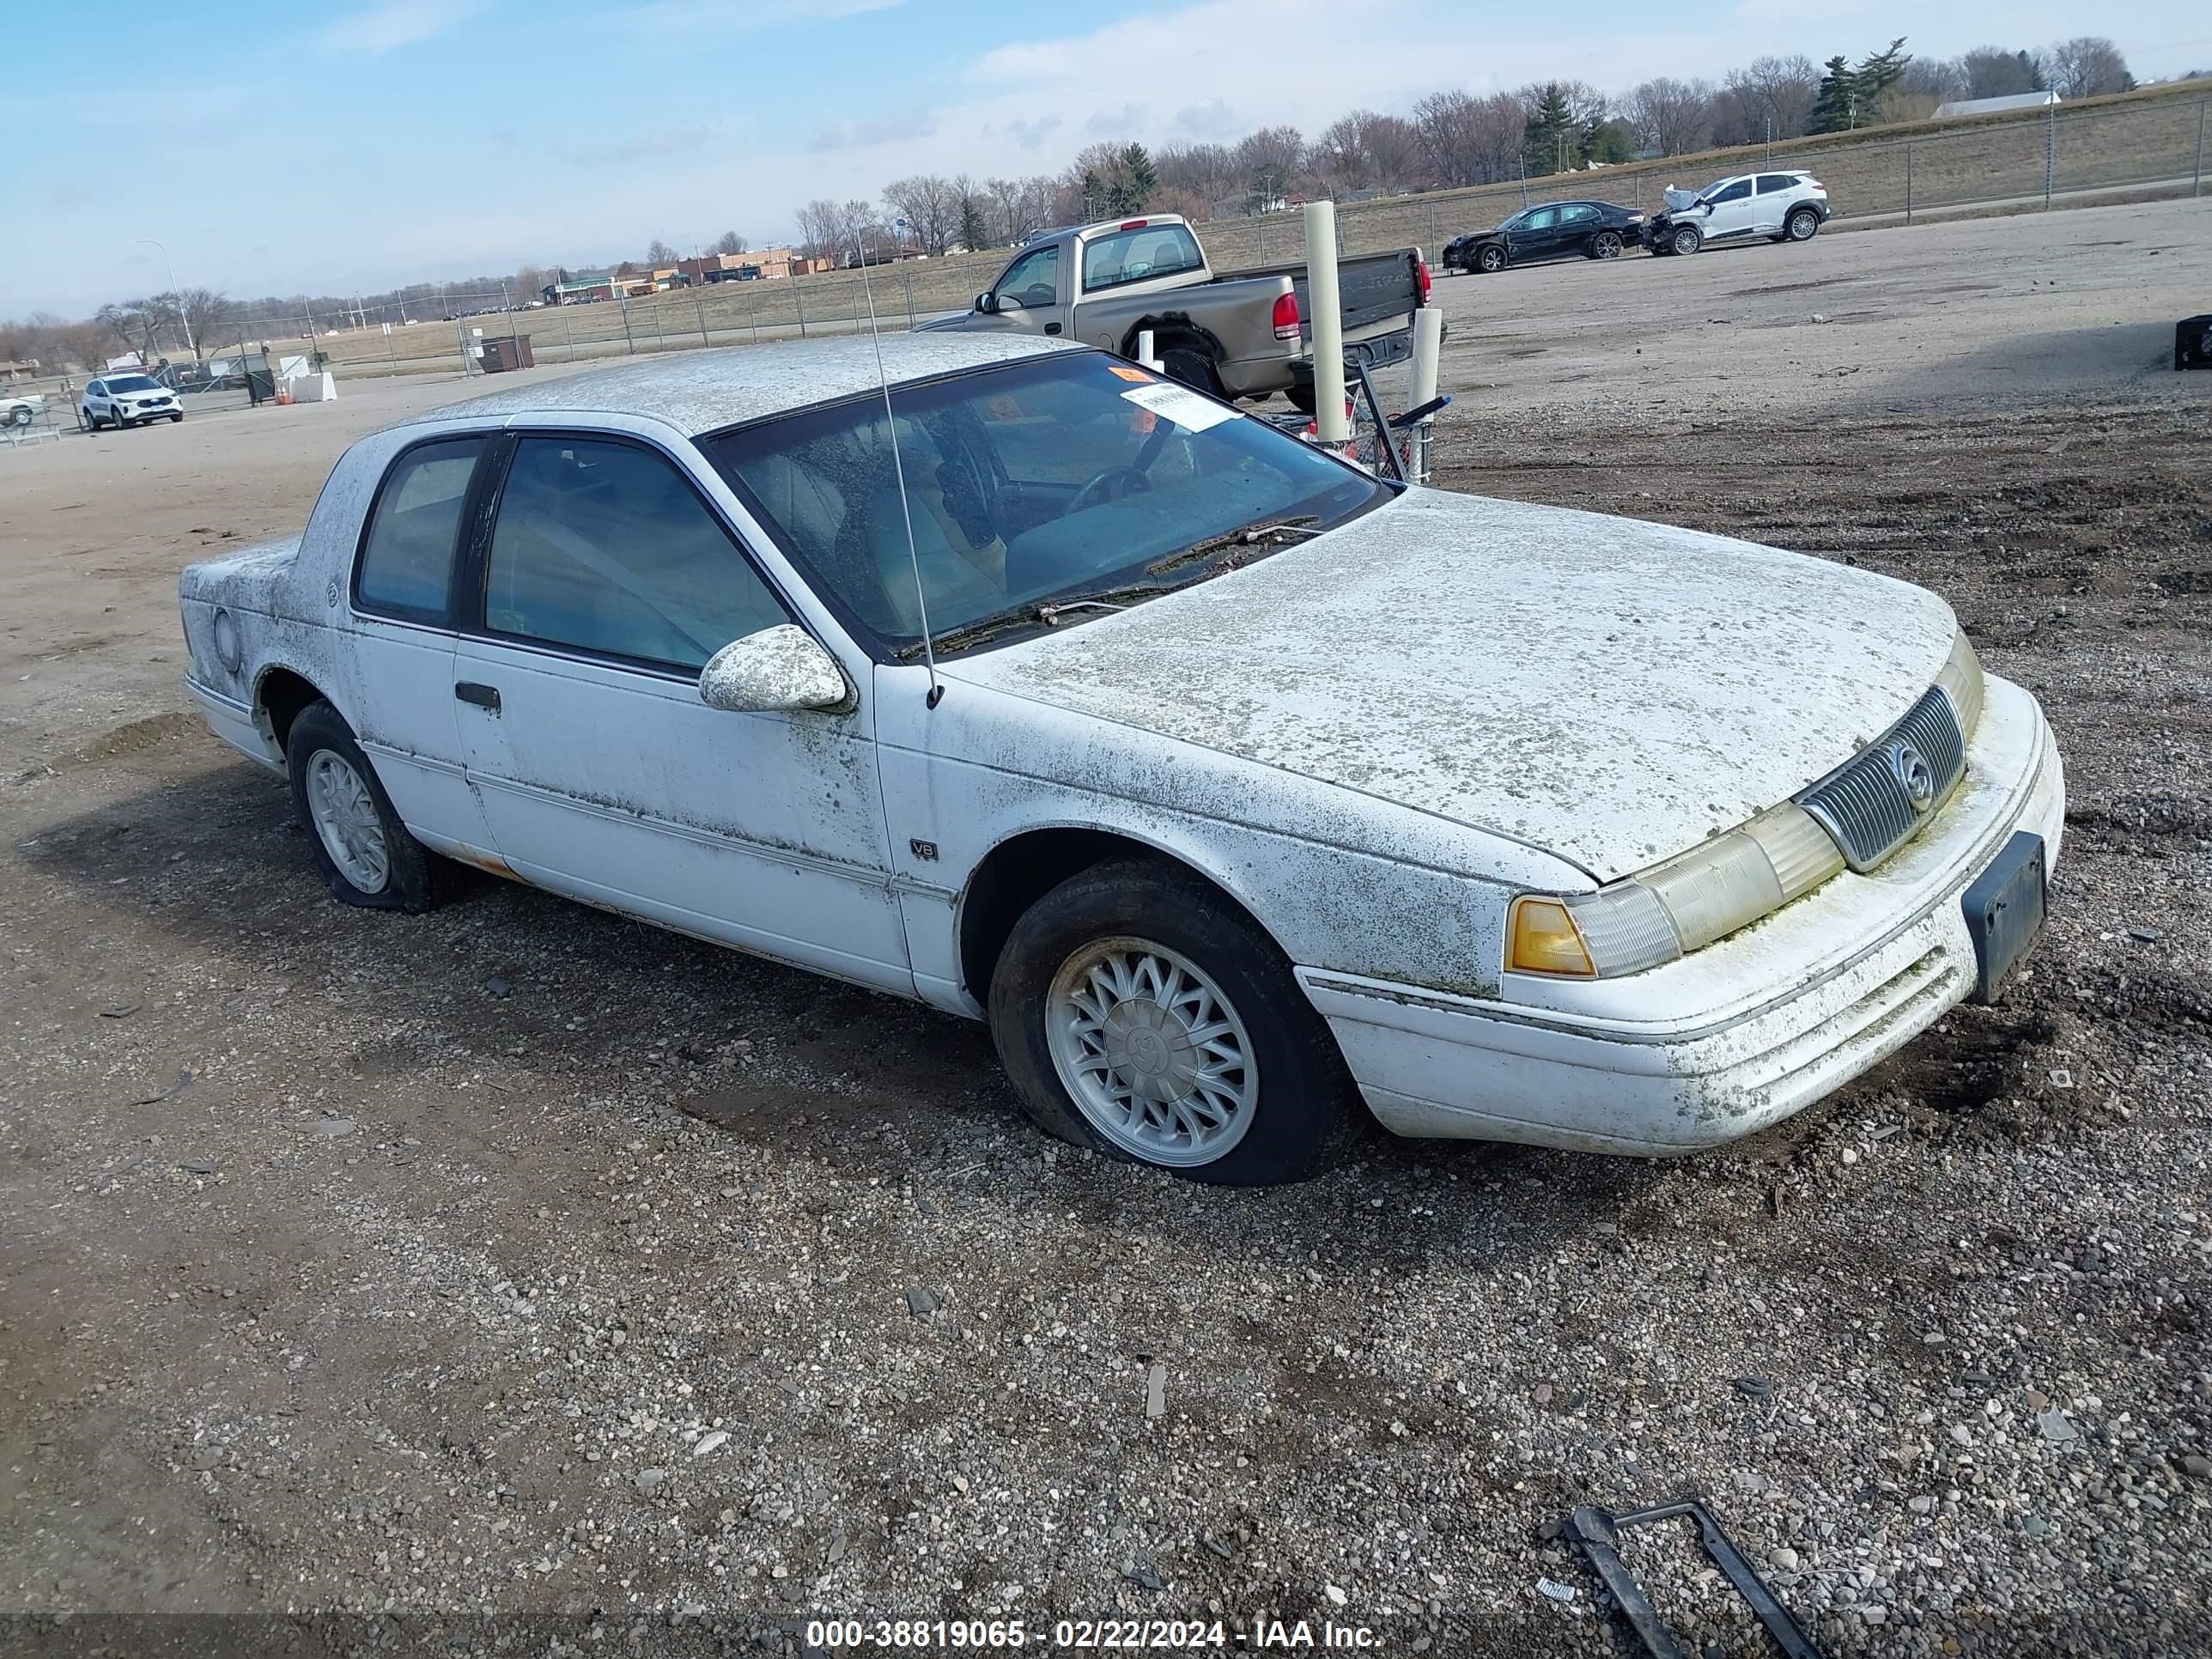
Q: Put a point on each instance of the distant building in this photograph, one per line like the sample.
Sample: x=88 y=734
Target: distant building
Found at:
x=1996 y=106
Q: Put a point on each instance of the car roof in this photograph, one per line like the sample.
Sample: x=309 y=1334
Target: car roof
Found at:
x=701 y=391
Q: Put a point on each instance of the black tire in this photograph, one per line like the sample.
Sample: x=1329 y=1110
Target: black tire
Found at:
x=1192 y=365
x=410 y=883
x=1301 y=396
x=1605 y=245
x=1685 y=240
x=1491 y=259
x=1802 y=224
x=1302 y=1092
x=177 y=419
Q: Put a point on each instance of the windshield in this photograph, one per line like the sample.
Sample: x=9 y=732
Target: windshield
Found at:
x=130 y=383
x=1027 y=484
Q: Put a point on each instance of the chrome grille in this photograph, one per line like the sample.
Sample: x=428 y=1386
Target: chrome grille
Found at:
x=1873 y=804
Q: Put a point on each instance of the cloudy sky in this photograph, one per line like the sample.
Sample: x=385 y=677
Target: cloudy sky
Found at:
x=278 y=148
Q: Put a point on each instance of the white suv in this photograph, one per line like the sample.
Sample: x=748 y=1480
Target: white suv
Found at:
x=123 y=400
x=1782 y=207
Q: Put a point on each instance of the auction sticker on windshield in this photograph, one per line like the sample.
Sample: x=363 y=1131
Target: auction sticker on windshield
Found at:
x=1179 y=404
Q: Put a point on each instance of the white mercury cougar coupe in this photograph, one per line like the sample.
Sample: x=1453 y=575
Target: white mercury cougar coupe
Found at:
x=1242 y=786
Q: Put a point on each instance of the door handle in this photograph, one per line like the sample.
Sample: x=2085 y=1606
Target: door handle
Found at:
x=1052 y=328
x=483 y=696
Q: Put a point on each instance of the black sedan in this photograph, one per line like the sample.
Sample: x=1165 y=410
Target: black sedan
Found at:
x=1557 y=230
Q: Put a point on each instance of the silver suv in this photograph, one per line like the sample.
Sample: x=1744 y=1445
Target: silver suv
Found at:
x=121 y=400
x=1782 y=207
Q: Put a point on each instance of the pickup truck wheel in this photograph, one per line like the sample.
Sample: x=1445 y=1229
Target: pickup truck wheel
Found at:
x=1301 y=396
x=365 y=853
x=1491 y=259
x=1139 y=1014
x=1190 y=365
x=1686 y=238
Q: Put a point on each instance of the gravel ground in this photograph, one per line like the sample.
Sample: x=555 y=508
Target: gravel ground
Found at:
x=370 y=1276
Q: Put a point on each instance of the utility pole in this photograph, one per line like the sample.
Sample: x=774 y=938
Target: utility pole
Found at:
x=175 y=299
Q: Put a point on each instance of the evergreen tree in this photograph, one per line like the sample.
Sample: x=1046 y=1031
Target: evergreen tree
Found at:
x=973 y=236
x=1836 y=109
x=2034 y=70
x=1876 y=74
x=1139 y=180
x=1551 y=139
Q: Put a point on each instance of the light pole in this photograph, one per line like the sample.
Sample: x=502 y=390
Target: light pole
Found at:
x=174 y=300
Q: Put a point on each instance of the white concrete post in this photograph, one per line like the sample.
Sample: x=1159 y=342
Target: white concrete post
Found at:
x=1321 y=299
x=1144 y=351
x=1428 y=349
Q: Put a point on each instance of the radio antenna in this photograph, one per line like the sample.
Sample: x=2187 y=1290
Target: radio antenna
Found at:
x=898 y=472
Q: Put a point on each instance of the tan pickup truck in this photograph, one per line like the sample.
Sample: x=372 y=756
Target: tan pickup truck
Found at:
x=1236 y=333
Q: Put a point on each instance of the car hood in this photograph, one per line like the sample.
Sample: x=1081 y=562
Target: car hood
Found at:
x=1609 y=690
x=1679 y=200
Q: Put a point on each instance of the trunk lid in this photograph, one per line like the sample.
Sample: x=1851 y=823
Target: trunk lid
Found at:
x=1611 y=690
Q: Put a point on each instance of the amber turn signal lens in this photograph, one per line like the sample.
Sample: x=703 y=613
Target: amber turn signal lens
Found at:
x=1542 y=938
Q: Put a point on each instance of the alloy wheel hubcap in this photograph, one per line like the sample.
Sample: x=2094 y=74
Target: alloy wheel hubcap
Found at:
x=345 y=818
x=1152 y=1051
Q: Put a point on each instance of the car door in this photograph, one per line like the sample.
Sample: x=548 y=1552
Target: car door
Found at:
x=1535 y=236
x=400 y=630
x=1031 y=294
x=1735 y=211
x=1578 y=223
x=1772 y=198
x=604 y=578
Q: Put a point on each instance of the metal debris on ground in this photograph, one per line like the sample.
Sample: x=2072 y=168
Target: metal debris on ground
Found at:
x=1596 y=1533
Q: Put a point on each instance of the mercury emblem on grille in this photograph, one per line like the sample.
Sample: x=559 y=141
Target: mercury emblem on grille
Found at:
x=1914 y=773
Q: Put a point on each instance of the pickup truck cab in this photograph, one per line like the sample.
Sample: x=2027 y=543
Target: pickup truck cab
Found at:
x=1236 y=334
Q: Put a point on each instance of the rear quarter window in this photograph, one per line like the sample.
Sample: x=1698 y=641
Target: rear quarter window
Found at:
x=406 y=563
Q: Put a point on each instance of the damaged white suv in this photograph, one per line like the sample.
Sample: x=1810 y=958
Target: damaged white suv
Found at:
x=1232 y=786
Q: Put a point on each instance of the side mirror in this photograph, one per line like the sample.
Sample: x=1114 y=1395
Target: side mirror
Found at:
x=778 y=670
x=987 y=304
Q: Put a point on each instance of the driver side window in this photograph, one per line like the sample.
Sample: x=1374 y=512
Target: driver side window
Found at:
x=606 y=547
x=1032 y=281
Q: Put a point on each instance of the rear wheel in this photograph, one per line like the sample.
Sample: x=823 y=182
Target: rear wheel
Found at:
x=1301 y=396
x=1802 y=224
x=1193 y=366
x=1685 y=240
x=1605 y=245
x=1140 y=1014
x=365 y=853
x=1491 y=259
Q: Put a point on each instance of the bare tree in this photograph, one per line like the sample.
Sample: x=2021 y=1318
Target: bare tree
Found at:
x=730 y=242
x=1769 y=97
x=1672 y=117
x=1470 y=140
x=2087 y=66
x=1366 y=150
x=1206 y=172
x=1268 y=162
x=659 y=254
x=200 y=310
x=821 y=228
x=930 y=207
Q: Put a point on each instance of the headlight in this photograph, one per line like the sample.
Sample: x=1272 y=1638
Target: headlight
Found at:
x=1697 y=896
x=1961 y=682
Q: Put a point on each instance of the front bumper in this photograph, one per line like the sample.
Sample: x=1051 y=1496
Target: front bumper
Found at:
x=1729 y=1039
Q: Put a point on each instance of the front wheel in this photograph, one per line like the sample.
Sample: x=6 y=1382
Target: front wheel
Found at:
x=177 y=419
x=1685 y=240
x=365 y=853
x=1802 y=224
x=1605 y=245
x=1491 y=259
x=1139 y=1014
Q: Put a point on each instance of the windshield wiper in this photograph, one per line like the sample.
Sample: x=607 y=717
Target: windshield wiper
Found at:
x=1301 y=524
x=1048 y=613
